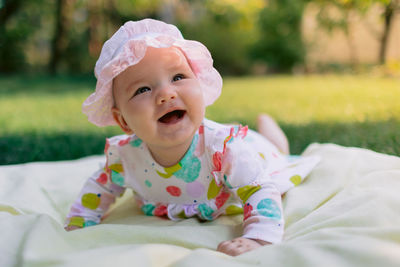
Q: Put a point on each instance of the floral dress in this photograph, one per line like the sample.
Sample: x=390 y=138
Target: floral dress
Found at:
x=226 y=170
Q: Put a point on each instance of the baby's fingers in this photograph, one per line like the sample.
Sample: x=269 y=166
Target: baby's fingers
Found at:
x=228 y=248
x=222 y=247
x=71 y=227
x=237 y=246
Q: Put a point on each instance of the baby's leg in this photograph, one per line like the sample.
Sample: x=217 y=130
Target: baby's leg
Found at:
x=267 y=127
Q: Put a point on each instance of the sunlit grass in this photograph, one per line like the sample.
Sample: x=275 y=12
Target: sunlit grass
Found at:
x=292 y=100
x=41 y=118
x=45 y=105
x=306 y=99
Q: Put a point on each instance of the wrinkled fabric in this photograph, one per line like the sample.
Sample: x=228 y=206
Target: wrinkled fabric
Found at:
x=346 y=213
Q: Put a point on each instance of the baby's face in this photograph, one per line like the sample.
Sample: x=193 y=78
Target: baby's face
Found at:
x=159 y=99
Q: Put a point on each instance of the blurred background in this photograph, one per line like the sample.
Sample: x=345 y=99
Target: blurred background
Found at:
x=328 y=71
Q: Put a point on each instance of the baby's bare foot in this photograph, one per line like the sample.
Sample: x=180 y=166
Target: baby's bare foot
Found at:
x=270 y=129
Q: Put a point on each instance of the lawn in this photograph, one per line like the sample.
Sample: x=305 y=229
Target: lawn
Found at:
x=41 y=117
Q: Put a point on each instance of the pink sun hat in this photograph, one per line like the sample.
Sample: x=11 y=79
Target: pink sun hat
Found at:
x=128 y=46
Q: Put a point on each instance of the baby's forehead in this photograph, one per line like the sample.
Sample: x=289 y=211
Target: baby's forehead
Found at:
x=174 y=56
x=169 y=58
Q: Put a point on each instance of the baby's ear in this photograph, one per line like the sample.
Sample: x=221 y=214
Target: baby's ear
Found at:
x=121 y=121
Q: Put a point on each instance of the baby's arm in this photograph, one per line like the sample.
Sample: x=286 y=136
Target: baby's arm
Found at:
x=246 y=178
x=263 y=222
x=93 y=202
x=98 y=193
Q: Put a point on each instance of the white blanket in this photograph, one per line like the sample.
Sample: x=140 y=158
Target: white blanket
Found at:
x=346 y=213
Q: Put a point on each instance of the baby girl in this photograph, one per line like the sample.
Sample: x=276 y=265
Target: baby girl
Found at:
x=155 y=85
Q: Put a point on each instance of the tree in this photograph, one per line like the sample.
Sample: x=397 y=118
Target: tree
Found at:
x=390 y=7
x=346 y=8
x=10 y=58
x=280 y=43
x=58 y=36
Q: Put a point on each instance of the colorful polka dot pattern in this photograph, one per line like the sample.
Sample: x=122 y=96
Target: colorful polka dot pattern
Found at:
x=169 y=171
x=269 y=208
x=190 y=164
x=247 y=191
x=296 y=180
x=117 y=178
x=233 y=210
x=80 y=222
x=205 y=211
x=116 y=167
x=195 y=189
x=148 y=183
x=213 y=190
x=89 y=223
x=161 y=211
x=174 y=191
x=182 y=215
x=76 y=221
x=205 y=191
x=221 y=199
x=102 y=179
x=247 y=211
x=124 y=142
x=227 y=182
x=91 y=200
x=136 y=143
x=148 y=209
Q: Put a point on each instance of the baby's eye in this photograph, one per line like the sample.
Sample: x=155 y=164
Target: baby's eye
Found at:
x=142 y=90
x=178 y=77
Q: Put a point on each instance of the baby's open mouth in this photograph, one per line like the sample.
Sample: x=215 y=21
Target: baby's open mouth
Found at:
x=173 y=116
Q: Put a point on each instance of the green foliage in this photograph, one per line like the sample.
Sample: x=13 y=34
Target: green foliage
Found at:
x=239 y=34
x=12 y=57
x=16 y=25
x=219 y=30
x=225 y=27
x=20 y=21
x=280 y=43
x=76 y=57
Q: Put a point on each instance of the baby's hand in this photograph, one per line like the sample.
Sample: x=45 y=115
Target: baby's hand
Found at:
x=71 y=227
x=240 y=245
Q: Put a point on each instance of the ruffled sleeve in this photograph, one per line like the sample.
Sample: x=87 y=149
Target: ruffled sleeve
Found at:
x=101 y=189
x=239 y=168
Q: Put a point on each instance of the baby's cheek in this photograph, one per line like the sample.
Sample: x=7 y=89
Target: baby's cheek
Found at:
x=198 y=99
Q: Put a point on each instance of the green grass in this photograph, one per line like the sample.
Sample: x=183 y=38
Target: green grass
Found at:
x=41 y=119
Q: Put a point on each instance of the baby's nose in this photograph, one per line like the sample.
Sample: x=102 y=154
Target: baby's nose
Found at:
x=166 y=94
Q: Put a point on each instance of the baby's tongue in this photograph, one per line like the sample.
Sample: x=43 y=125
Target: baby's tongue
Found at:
x=171 y=116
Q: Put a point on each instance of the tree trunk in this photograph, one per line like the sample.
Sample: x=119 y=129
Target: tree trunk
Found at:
x=350 y=42
x=388 y=18
x=59 y=31
x=96 y=19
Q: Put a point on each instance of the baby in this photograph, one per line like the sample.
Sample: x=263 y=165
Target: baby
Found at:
x=155 y=85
